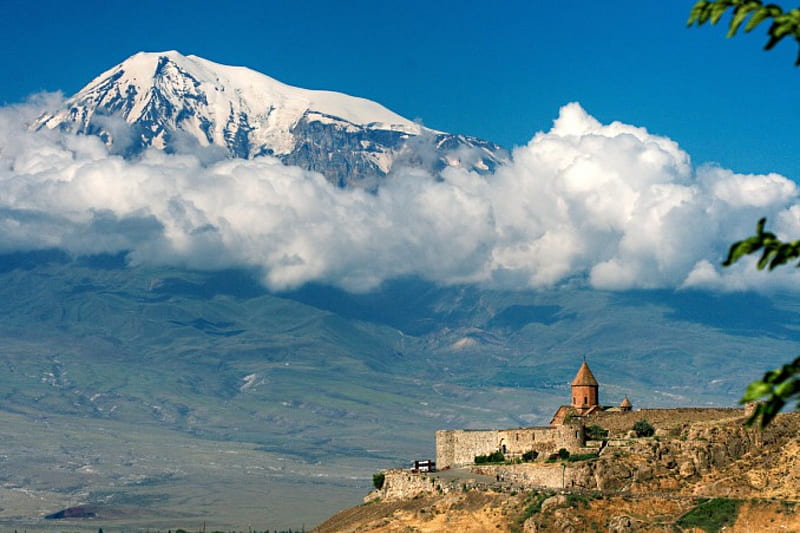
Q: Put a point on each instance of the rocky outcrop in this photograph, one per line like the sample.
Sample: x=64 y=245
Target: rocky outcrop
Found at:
x=643 y=484
x=666 y=464
x=623 y=524
x=401 y=484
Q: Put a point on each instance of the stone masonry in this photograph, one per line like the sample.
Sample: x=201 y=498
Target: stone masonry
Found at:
x=459 y=447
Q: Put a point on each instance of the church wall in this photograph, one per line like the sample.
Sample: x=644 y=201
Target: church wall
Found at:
x=459 y=447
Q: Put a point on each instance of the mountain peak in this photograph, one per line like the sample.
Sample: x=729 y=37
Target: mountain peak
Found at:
x=168 y=99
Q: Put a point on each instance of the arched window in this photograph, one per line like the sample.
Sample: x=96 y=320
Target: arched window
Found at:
x=585 y=400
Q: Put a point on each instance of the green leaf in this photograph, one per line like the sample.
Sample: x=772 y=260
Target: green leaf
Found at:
x=760 y=225
x=772 y=42
x=770 y=410
x=717 y=10
x=774 y=10
x=780 y=255
x=738 y=17
x=783 y=29
x=765 y=258
x=760 y=16
x=742 y=248
x=697 y=12
x=756 y=390
x=785 y=389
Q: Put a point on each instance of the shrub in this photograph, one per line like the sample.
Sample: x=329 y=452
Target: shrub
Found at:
x=595 y=432
x=711 y=515
x=535 y=506
x=378 y=479
x=578 y=500
x=530 y=456
x=581 y=457
x=563 y=453
x=643 y=428
x=494 y=457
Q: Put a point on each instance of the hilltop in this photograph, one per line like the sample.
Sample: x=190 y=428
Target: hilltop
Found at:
x=699 y=475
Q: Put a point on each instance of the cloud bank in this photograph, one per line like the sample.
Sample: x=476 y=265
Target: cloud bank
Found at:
x=611 y=206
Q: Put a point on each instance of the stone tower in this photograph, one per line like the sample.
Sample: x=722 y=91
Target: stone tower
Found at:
x=585 y=396
x=626 y=405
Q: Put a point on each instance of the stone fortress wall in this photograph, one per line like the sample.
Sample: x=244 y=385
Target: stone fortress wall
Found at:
x=668 y=420
x=457 y=447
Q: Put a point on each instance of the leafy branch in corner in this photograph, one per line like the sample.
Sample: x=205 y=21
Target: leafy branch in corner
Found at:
x=778 y=386
x=784 y=23
x=783 y=383
x=774 y=251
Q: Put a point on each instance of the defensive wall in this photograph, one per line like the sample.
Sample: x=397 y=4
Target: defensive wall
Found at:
x=399 y=484
x=456 y=447
x=668 y=420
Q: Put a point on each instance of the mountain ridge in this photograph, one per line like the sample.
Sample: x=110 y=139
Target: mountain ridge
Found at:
x=173 y=102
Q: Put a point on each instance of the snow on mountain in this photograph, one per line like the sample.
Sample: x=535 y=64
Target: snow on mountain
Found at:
x=170 y=101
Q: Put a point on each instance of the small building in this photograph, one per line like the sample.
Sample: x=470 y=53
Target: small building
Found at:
x=423 y=466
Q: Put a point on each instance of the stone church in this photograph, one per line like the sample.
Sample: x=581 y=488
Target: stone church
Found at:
x=566 y=430
x=586 y=398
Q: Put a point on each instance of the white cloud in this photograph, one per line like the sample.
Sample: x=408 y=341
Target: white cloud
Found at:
x=611 y=204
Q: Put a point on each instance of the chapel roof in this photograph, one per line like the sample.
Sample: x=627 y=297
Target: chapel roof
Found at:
x=584 y=377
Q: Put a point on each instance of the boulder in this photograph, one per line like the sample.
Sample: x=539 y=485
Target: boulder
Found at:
x=559 y=500
x=623 y=524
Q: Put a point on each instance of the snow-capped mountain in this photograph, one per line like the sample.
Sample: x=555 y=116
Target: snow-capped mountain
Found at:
x=175 y=102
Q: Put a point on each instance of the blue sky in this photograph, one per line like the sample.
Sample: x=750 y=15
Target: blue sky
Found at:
x=499 y=72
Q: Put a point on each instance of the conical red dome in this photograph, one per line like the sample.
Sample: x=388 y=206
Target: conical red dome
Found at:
x=584 y=377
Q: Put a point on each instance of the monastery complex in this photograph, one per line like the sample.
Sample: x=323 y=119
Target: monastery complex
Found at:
x=568 y=427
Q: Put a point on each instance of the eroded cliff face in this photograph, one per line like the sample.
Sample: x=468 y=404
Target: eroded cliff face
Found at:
x=637 y=485
x=669 y=463
x=714 y=459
